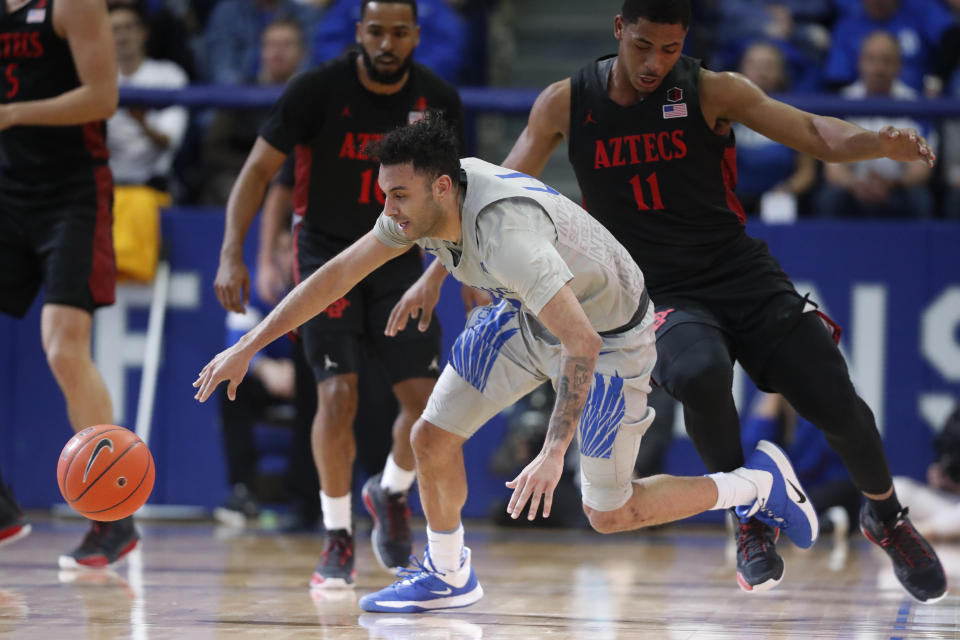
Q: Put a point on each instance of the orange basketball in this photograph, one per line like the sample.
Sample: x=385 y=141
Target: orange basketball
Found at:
x=105 y=472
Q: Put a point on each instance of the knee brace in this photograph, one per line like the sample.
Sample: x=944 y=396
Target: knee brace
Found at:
x=606 y=483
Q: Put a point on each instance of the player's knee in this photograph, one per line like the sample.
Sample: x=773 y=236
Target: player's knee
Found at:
x=703 y=379
x=431 y=443
x=605 y=521
x=64 y=361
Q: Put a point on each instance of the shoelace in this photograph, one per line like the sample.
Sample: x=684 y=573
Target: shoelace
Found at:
x=752 y=539
x=340 y=546
x=417 y=570
x=904 y=538
x=398 y=513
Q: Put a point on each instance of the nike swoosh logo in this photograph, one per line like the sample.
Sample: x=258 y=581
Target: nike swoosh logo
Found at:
x=800 y=499
x=105 y=443
x=445 y=592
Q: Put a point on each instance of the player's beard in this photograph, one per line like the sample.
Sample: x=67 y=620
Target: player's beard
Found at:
x=381 y=77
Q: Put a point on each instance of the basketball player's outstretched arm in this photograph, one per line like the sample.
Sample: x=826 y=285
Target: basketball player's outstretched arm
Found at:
x=86 y=28
x=547 y=126
x=328 y=283
x=232 y=283
x=729 y=97
x=565 y=318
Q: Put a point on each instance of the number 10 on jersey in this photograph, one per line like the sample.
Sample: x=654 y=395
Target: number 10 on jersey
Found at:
x=370 y=188
x=642 y=187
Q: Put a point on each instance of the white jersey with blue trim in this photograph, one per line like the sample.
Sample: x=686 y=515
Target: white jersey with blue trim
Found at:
x=522 y=241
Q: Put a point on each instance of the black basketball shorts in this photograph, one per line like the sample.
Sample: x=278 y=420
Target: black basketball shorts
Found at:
x=336 y=339
x=56 y=231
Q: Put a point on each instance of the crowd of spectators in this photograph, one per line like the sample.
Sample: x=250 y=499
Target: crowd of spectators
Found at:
x=859 y=49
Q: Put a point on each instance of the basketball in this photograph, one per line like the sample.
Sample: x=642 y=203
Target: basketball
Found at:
x=105 y=472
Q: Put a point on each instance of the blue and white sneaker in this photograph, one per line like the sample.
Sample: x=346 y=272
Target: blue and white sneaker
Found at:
x=781 y=501
x=423 y=588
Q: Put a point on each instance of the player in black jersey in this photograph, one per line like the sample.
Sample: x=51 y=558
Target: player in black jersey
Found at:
x=326 y=117
x=650 y=140
x=58 y=85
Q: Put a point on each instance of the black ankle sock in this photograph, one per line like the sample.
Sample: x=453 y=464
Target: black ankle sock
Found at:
x=886 y=509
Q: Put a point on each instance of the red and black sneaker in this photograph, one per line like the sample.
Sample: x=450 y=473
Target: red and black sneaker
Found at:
x=105 y=544
x=759 y=567
x=915 y=563
x=13 y=524
x=390 y=538
x=335 y=570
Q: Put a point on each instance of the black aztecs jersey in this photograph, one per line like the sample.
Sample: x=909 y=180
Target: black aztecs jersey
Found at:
x=327 y=118
x=36 y=63
x=660 y=179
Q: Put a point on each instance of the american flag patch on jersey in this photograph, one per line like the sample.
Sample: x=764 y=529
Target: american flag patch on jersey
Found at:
x=35 y=16
x=675 y=110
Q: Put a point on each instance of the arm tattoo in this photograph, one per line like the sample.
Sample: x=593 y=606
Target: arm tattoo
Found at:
x=572 y=390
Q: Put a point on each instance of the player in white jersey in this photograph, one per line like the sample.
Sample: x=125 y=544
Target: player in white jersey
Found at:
x=572 y=310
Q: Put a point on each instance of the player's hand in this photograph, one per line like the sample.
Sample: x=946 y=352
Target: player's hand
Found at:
x=271 y=282
x=537 y=481
x=474 y=298
x=232 y=284
x=417 y=302
x=905 y=145
x=230 y=365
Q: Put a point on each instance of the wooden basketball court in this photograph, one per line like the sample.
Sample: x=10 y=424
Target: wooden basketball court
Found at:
x=188 y=581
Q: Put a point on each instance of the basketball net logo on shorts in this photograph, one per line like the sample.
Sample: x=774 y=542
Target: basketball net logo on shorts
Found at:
x=104 y=443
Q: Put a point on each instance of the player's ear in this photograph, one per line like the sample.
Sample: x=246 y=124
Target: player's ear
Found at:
x=442 y=186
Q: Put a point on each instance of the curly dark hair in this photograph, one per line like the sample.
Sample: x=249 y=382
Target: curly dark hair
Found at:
x=429 y=144
x=661 y=11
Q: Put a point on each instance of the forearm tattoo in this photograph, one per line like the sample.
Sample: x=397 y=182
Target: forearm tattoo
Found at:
x=572 y=390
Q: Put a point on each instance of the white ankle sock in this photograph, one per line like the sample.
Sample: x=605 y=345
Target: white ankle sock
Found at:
x=336 y=512
x=396 y=479
x=735 y=488
x=446 y=548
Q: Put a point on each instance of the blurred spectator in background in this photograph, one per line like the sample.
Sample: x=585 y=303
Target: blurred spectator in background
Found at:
x=142 y=144
x=819 y=469
x=928 y=36
x=143 y=141
x=792 y=26
x=764 y=166
x=233 y=35
x=951 y=167
x=443 y=35
x=232 y=132
x=935 y=506
x=168 y=35
x=881 y=187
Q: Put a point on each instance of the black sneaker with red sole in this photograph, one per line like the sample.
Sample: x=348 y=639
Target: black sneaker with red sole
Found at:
x=105 y=544
x=915 y=563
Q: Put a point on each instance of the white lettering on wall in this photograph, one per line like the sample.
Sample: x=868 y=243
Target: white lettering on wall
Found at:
x=117 y=347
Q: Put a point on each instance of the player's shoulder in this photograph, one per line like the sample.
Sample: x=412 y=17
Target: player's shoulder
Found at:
x=430 y=81
x=331 y=75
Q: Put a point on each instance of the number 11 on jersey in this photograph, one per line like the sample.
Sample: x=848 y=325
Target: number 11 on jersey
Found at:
x=638 y=192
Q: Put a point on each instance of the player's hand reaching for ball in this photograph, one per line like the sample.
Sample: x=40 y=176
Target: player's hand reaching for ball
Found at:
x=537 y=481
x=230 y=365
x=905 y=145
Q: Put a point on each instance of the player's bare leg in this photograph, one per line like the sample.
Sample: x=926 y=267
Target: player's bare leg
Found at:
x=334 y=450
x=65 y=333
